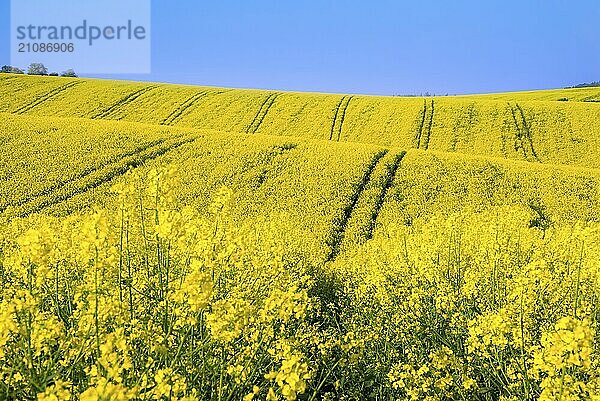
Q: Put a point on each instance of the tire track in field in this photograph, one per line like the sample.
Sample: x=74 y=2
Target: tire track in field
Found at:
x=45 y=97
x=270 y=154
x=123 y=101
x=527 y=132
x=343 y=109
x=339 y=229
x=389 y=180
x=429 y=125
x=180 y=111
x=518 y=133
x=250 y=163
x=262 y=113
x=419 y=133
x=9 y=81
x=523 y=133
x=98 y=177
x=337 y=110
x=258 y=168
x=57 y=186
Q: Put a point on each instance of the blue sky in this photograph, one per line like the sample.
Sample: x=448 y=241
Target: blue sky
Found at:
x=380 y=47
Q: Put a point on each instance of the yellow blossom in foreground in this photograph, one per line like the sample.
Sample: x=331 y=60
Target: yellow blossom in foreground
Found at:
x=59 y=391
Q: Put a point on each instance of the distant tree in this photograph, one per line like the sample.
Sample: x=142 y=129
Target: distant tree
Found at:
x=53 y=74
x=585 y=85
x=37 y=69
x=9 y=69
x=69 y=73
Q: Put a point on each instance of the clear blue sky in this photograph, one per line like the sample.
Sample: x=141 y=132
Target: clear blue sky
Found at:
x=380 y=47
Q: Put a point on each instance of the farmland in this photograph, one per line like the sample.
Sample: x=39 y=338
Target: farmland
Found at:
x=175 y=242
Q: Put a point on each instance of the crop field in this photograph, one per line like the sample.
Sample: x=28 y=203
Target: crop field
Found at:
x=170 y=242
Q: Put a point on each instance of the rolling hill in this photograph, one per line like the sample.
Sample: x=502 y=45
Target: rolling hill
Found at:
x=365 y=247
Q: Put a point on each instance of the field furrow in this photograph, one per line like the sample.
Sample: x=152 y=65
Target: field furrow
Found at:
x=106 y=113
x=381 y=198
x=527 y=132
x=519 y=134
x=4 y=78
x=72 y=148
x=95 y=178
x=419 y=131
x=362 y=222
x=425 y=142
x=56 y=186
x=335 y=117
x=262 y=113
x=178 y=112
x=53 y=93
x=340 y=226
x=254 y=170
x=340 y=125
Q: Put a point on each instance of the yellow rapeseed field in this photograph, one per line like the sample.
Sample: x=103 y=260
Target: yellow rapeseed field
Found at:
x=168 y=242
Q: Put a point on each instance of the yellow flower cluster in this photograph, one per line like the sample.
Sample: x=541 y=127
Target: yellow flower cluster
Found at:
x=292 y=375
x=566 y=363
x=443 y=376
x=143 y=302
x=471 y=303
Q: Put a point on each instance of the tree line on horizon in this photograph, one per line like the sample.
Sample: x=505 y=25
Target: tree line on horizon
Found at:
x=37 y=69
x=585 y=85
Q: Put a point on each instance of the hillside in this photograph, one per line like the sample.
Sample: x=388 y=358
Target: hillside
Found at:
x=261 y=134
x=532 y=126
x=282 y=243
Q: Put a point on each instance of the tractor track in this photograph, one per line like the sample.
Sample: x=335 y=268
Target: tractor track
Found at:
x=6 y=79
x=419 y=133
x=344 y=106
x=518 y=134
x=57 y=186
x=429 y=125
x=124 y=101
x=179 y=112
x=523 y=133
x=262 y=113
x=527 y=132
x=339 y=229
x=389 y=180
x=45 y=97
x=97 y=177
x=337 y=110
